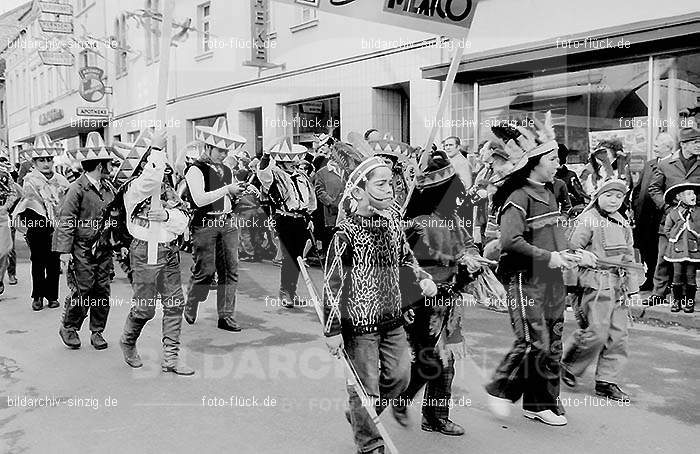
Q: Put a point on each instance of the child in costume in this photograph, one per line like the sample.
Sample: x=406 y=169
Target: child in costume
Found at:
x=362 y=299
x=604 y=291
x=682 y=230
x=443 y=247
x=533 y=249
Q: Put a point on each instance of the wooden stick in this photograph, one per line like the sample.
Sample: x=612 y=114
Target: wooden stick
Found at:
x=354 y=378
x=161 y=121
x=442 y=105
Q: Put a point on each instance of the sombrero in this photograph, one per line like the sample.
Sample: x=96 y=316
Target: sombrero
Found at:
x=673 y=191
x=286 y=151
x=94 y=150
x=43 y=148
x=218 y=135
x=387 y=146
x=135 y=153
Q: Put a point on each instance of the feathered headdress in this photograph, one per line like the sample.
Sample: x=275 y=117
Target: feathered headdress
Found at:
x=357 y=158
x=517 y=144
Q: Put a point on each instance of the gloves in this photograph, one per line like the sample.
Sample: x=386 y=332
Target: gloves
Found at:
x=428 y=287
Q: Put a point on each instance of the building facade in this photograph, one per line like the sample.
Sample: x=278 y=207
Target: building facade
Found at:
x=603 y=68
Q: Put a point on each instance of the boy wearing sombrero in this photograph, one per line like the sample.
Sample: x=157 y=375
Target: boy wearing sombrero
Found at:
x=294 y=200
x=215 y=229
x=682 y=228
x=37 y=211
x=88 y=272
x=162 y=278
x=604 y=290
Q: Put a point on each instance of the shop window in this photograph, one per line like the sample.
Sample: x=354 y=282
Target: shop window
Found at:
x=676 y=87
x=587 y=106
x=312 y=117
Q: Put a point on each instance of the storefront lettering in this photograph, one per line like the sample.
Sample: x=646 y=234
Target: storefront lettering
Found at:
x=50 y=116
x=449 y=9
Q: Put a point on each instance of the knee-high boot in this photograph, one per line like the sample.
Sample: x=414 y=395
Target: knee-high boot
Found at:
x=132 y=331
x=689 y=307
x=172 y=324
x=677 y=291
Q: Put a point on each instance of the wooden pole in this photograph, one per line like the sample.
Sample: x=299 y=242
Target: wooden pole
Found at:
x=442 y=105
x=161 y=120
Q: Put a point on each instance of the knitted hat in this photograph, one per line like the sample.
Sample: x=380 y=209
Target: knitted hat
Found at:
x=521 y=143
x=218 y=135
x=673 y=191
x=286 y=151
x=94 y=150
x=43 y=148
x=612 y=184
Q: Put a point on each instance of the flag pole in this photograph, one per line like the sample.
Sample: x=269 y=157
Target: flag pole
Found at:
x=161 y=120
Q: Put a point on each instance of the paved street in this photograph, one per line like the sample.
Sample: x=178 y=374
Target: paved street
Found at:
x=273 y=389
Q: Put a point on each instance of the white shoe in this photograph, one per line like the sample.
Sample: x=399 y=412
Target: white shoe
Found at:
x=546 y=416
x=499 y=407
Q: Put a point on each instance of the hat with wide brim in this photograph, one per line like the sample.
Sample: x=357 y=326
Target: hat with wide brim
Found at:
x=387 y=146
x=286 y=151
x=673 y=191
x=218 y=135
x=94 y=150
x=43 y=148
x=135 y=153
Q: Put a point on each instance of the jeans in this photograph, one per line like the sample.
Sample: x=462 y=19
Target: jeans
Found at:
x=531 y=368
x=162 y=279
x=382 y=361
x=215 y=249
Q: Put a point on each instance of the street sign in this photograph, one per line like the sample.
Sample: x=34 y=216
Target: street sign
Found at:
x=91 y=87
x=51 y=26
x=438 y=17
x=56 y=57
x=56 y=8
x=86 y=111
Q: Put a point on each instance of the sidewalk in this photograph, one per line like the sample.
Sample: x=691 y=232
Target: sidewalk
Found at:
x=662 y=315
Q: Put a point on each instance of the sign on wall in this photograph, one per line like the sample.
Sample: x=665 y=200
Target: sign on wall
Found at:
x=50 y=116
x=260 y=42
x=438 y=17
x=91 y=87
x=52 y=26
x=86 y=111
x=56 y=8
x=56 y=57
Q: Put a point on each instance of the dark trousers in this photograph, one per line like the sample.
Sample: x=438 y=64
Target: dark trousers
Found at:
x=215 y=250
x=46 y=264
x=662 y=273
x=292 y=233
x=649 y=252
x=89 y=280
x=428 y=369
x=531 y=368
x=12 y=258
x=382 y=362
x=162 y=279
x=684 y=273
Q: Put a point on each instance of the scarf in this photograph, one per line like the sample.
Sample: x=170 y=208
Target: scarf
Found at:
x=42 y=195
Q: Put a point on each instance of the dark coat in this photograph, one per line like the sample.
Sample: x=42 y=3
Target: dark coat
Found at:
x=647 y=215
x=562 y=195
x=79 y=216
x=670 y=172
x=329 y=189
x=682 y=229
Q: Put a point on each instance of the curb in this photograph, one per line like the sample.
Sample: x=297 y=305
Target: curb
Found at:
x=663 y=315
